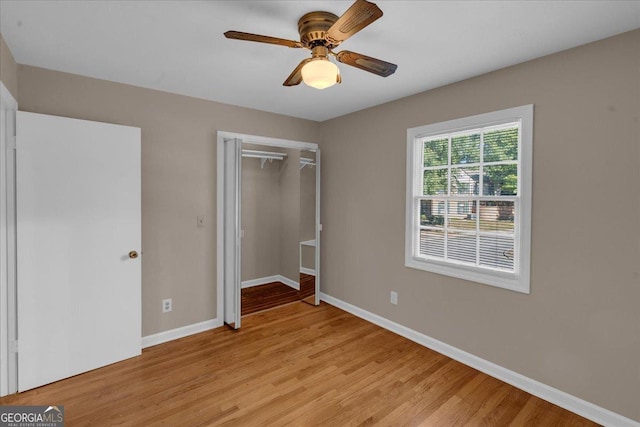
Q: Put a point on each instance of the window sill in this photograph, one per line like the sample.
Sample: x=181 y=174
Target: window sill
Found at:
x=492 y=278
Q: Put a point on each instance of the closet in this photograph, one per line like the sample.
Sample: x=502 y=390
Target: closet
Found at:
x=268 y=224
x=278 y=226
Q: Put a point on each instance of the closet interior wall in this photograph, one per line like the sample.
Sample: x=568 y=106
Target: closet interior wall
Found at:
x=270 y=215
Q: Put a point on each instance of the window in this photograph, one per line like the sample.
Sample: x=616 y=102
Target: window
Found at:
x=469 y=198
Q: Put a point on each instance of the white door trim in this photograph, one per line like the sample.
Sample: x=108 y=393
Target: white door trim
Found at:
x=318 y=230
x=252 y=139
x=8 y=365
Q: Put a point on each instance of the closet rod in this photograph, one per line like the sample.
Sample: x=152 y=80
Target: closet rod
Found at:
x=304 y=161
x=263 y=154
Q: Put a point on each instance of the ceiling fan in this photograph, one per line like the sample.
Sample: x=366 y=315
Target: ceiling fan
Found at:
x=321 y=32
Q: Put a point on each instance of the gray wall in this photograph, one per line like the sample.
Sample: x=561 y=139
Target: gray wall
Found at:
x=8 y=69
x=579 y=329
x=178 y=177
x=308 y=255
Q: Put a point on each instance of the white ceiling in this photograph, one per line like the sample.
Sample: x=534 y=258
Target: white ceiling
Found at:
x=178 y=46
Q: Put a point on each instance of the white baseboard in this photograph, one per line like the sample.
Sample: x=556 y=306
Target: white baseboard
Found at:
x=308 y=271
x=260 y=281
x=185 y=331
x=270 y=279
x=564 y=400
x=295 y=285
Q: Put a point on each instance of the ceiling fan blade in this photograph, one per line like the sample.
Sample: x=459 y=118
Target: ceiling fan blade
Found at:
x=237 y=35
x=358 y=16
x=366 y=63
x=295 y=78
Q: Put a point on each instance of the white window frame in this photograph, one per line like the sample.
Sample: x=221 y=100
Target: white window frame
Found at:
x=519 y=280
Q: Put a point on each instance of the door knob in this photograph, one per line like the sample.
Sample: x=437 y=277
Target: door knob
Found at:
x=133 y=254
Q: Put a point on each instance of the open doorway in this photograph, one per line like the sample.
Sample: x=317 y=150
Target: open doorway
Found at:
x=268 y=224
x=278 y=226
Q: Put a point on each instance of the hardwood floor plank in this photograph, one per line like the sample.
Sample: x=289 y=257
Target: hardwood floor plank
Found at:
x=486 y=399
x=293 y=365
x=508 y=408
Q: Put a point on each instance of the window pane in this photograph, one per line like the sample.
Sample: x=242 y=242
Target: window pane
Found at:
x=500 y=145
x=497 y=216
x=432 y=213
x=435 y=182
x=461 y=247
x=500 y=180
x=465 y=149
x=497 y=252
x=436 y=152
x=465 y=180
x=432 y=243
x=462 y=214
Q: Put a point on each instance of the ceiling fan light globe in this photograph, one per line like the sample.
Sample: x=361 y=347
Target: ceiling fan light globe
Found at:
x=320 y=73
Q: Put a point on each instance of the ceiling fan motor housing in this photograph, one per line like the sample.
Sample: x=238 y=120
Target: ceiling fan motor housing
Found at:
x=313 y=27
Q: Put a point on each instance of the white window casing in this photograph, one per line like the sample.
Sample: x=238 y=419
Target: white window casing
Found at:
x=461 y=221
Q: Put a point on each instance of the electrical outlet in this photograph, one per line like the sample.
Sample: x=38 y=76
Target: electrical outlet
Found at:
x=200 y=221
x=167 y=305
x=394 y=298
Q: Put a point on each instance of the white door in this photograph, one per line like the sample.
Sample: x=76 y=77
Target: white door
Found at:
x=318 y=229
x=78 y=226
x=232 y=231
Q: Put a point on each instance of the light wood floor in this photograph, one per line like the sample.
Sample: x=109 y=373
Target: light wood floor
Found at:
x=297 y=365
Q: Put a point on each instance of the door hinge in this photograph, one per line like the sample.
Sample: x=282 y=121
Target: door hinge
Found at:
x=13 y=346
x=12 y=143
